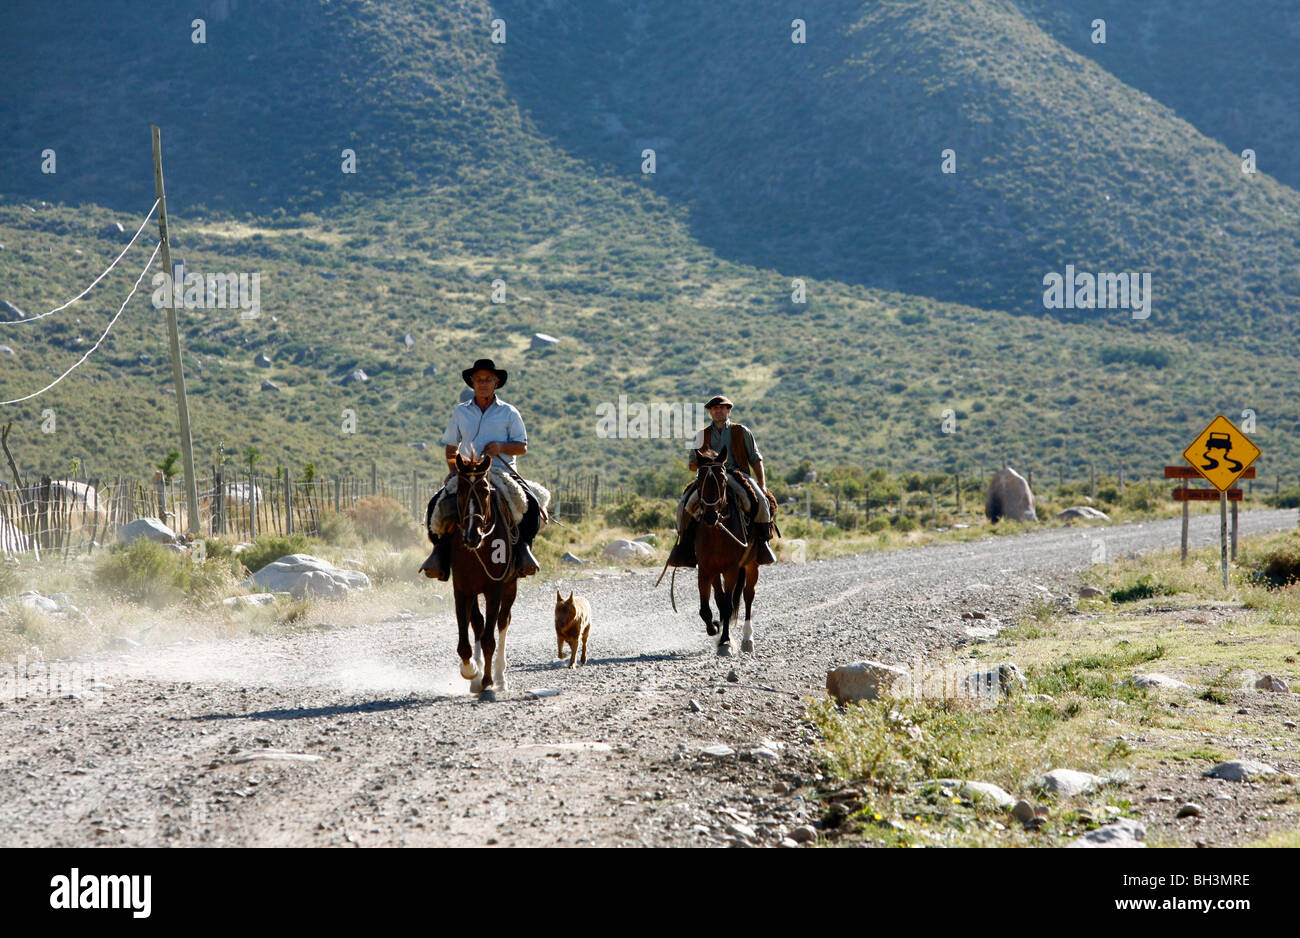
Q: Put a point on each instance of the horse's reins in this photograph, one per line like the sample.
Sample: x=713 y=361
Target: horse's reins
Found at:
x=512 y=532
x=720 y=500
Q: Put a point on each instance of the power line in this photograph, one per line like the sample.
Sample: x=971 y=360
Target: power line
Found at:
x=14 y=322
x=102 y=337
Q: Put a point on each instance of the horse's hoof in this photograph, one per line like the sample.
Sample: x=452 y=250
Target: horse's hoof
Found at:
x=469 y=672
x=747 y=647
x=712 y=628
x=476 y=685
x=488 y=696
x=724 y=649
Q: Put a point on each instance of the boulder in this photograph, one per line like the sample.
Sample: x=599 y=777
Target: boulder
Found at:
x=1008 y=496
x=1081 y=513
x=145 y=359
x=1239 y=770
x=318 y=584
x=12 y=540
x=1091 y=592
x=430 y=370
x=1273 y=683
x=150 y=528
x=572 y=559
x=113 y=230
x=283 y=576
x=1002 y=680
x=1067 y=782
x=420 y=445
x=863 y=680
x=651 y=539
x=269 y=385
x=623 y=551
x=34 y=600
x=356 y=377
x=1124 y=832
x=7 y=350
x=408 y=340
x=542 y=340
x=261 y=361
x=1160 y=681
x=986 y=790
x=239 y=493
x=253 y=600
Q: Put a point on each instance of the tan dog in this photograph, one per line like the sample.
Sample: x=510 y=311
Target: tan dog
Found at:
x=572 y=622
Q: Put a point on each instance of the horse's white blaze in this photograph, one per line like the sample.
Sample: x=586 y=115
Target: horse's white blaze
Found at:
x=499 y=663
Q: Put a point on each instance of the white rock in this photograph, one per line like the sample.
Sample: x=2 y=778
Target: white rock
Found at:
x=1239 y=770
x=283 y=575
x=622 y=550
x=863 y=680
x=985 y=790
x=804 y=834
x=1090 y=592
x=741 y=830
x=150 y=528
x=34 y=600
x=765 y=755
x=12 y=540
x=318 y=584
x=253 y=600
x=1124 y=832
x=718 y=752
x=276 y=755
x=542 y=340
x=1156 y=680
x=1273 y=683
x=1067 y=782
x=1082 y=512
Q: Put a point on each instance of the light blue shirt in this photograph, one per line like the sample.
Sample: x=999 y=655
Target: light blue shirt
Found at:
x=500 y=423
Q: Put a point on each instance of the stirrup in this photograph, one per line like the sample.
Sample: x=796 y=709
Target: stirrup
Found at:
x=436 y=567
x=525 y=563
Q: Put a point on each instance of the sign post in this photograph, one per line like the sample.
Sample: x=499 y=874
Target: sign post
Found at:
x=1236 y=453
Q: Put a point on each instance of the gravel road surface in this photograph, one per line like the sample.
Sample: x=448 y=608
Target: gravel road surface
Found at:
x=368 y=736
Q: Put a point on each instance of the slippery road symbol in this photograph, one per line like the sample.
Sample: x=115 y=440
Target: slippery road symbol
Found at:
x=1221 y=441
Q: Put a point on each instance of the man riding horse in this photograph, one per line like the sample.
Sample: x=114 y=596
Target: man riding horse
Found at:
x=492 y=428
x=737 y=442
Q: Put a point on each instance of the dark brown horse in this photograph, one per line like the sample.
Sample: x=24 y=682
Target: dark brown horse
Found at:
x=482 y=564
x=725 y=553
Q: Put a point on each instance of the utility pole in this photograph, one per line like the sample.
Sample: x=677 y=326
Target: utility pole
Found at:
x=178 y=374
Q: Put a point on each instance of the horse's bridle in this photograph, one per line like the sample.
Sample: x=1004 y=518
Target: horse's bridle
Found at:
x=717 y=474
x=466 y=513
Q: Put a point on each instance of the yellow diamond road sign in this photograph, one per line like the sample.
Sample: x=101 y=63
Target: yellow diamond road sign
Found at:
x=1221 y=453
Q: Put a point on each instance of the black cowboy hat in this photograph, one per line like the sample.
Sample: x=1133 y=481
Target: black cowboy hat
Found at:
x=485 y=364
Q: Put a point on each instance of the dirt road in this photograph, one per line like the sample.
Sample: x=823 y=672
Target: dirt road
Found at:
x=391 y=749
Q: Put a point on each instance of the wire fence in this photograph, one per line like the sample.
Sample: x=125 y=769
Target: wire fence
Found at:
x=63 y=518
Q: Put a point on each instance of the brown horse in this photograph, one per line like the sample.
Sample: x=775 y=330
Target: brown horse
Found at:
x=725 y=553
x=482 y=564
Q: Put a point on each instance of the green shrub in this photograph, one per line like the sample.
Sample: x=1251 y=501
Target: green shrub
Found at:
x=151 y=574
x=904 y=523
x=876 y=525
x=1280 y=565
x=641 y=514
x=1145 y=588
x=380 y=518
x=335 y=527
x=1287 y=498
x=268 y=548
x=10 y=582
x=1145 y=496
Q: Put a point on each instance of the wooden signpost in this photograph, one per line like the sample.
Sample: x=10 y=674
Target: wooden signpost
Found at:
x=1221 y=454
